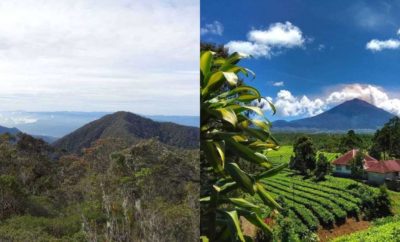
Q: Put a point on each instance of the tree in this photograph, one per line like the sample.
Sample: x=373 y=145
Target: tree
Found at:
x=350 y=141
x=375 y=151
x=383 y=203
x=227 y=134
x=387 y=139
x=304 y=155
x=323 y=167
x=357 y=165
x=219 y=50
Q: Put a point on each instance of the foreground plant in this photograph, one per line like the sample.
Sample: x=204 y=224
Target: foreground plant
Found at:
x=234 y=133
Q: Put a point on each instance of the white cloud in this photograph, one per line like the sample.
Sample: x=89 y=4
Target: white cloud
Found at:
x=265 y=43
x=214 y=28
x=88 y=55
x=14 y=118
x=372 y=94
x=302 y=106
x=278 y=84
x=288 y=105
x=248 y=48
x=378 y=45
x=278 y=35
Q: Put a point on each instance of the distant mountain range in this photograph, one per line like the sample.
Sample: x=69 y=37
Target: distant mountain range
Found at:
x=131 y=128
x=355 y=114
x=53 y=125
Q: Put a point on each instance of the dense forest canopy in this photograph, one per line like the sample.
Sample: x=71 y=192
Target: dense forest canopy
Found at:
x=113 y=191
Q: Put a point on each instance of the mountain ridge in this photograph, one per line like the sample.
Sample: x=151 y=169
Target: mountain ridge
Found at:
x=13 y=131
x=354 y=114
x=131 y=128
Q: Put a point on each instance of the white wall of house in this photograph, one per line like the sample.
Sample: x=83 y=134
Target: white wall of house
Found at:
x=342 y=169
x=377 y=178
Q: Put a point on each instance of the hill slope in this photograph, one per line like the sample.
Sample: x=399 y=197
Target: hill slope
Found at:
x=131 y=128
x=354 y=114
x=12 y=131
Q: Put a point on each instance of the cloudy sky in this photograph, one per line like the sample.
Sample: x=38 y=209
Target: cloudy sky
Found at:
x=100 y=55
x=312 y=55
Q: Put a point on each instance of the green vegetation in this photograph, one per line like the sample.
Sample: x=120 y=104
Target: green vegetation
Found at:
x=327 y=203
x=350 y=141
x=326 y=142
x=304 y=159
x=387 y=229
x=231 y=137
x=283 y=154
x=386 y=141
x=131 y=128
x=112 y=192
x=323 y=167
x=357 y=165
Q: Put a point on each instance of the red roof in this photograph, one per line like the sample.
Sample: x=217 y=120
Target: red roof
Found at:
x=385 y=166
x=350 y=155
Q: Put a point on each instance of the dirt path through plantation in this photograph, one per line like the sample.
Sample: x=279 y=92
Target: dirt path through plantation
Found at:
x=349 y=227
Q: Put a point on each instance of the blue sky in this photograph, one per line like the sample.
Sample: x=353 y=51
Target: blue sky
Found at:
x=312 y=55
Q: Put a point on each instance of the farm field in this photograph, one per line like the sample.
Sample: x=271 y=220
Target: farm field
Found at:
x=314 y=205
x=286 y=151
x=324 y=205
x=387 y=229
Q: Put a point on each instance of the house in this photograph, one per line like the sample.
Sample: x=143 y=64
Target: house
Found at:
x=376 y=172
x=342 y=163
x=379 y=172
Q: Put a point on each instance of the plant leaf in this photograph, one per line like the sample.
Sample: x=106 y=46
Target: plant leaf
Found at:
x=271 y=172
x=245 y=152
x=267 y=199
x=205 y=62
x=234 y=225
x=244 y=180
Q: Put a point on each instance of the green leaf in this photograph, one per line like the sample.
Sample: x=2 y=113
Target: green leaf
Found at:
x=241 y=108
x=204 y=239
x=213 y=82
x=272 y=106
x=213 y=155
x=235 y=58
x=234 y=225
x=243 y=203
x=261 y=124
x=257 y=133
x=267 y=199
x=225 y=114
x=240 y=138
x=205 y=62
x=263 y=145
x=205 y=199
x=231 y=78
x=253 y=218
x=271 y=172
x=244 y=152
x=240 y=89
x=247 y=98
x=244 y=180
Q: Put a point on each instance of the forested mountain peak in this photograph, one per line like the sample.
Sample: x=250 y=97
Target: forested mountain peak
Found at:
x=131 y=128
